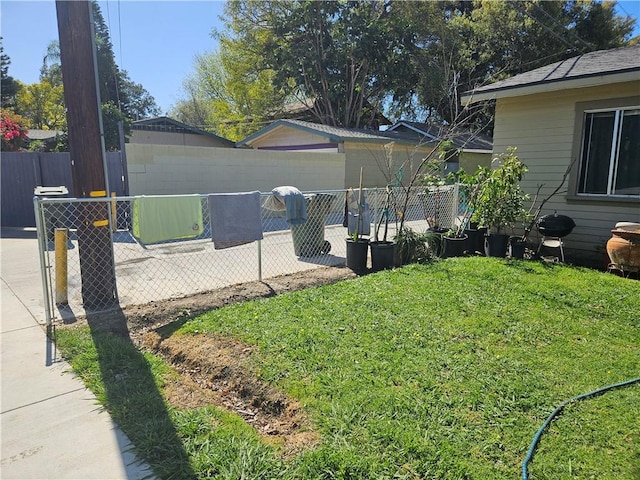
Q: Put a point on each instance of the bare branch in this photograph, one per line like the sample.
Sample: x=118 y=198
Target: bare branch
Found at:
x=534 y=219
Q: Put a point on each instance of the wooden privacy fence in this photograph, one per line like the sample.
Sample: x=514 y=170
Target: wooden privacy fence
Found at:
x=22 y=172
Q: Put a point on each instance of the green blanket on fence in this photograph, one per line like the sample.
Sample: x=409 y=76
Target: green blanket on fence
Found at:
x=158 y=218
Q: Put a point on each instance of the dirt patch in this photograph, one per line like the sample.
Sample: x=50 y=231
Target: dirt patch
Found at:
x=155 y=314
x=215 y=370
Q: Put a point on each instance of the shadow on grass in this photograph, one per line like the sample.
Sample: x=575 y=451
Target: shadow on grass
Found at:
x=132 y=397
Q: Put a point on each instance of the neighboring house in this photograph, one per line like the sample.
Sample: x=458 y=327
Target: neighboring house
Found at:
x=304 y=110
x=583 y=112
x=472 y=150
x=362 y=148
x=167 y=131
x=46 y=139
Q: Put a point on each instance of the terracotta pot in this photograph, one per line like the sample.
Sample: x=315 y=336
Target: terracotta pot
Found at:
x=623 y=249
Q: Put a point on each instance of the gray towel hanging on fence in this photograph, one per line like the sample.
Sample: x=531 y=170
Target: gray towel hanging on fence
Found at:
x=353 y=220
x=235 y=219
x=291 y=201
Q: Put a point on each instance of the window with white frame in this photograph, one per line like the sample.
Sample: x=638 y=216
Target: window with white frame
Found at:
x=610 y=157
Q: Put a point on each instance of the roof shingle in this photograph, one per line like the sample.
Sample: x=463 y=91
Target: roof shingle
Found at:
x=600 y=63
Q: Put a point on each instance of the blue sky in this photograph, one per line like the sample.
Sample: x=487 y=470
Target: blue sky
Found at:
x=154 y=41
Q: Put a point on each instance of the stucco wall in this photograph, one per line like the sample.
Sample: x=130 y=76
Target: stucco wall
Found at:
x=543 y=128
x=372 y=157
x=158 y=169
x=470 y=161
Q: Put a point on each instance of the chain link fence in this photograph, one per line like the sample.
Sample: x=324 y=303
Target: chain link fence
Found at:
x=105 y=252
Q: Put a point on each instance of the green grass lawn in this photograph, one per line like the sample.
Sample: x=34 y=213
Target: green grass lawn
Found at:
x=443 y=371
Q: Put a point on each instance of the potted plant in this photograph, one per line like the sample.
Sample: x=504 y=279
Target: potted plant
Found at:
x=383 y=251
x=357 y=245
x=454 y=243
x=414 y=247
x=500 y=200
x=411 y=246
x=357 y=249
x=469 y=191
x=465 y=236
x=436 y=184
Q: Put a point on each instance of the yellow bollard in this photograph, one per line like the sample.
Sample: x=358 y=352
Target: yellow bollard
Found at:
x=61 y=266
x=114 y=213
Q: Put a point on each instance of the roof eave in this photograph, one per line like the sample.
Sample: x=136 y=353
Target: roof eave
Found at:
x=150 y=122
x=476 y=150
x=281 y=124
x=401 y=141
x=549 y=86
x=419 y=131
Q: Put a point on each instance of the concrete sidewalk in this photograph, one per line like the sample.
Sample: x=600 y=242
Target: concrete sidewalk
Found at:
x=51 y=425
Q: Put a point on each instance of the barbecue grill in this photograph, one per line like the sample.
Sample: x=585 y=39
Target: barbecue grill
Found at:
x=553 y=228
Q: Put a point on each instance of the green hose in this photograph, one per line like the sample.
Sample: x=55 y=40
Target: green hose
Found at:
x=556 y=412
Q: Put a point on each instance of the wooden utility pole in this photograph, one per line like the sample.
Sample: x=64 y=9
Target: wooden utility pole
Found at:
x=85 y=146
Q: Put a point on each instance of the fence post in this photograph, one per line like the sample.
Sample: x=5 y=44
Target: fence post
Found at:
x=456 y=204
x=259 y=260
x=42 y=245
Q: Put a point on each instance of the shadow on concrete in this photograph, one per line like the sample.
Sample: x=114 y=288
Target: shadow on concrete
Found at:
x=324 y=260
x=18 y=232
x=132 y=397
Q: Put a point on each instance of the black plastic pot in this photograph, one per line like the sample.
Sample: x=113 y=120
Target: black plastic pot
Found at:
x=475 y=242
x=517 y=247
x=496 y=244
x=455 y=246
x=357 y=253
x=382 y=255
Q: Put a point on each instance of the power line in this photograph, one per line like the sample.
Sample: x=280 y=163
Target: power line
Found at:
x=563 y=27
x=120 y=34
x=619 y=5
x=524 y=11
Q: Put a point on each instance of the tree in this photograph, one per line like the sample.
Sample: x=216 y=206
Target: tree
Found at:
x=13 y=130
x=42 y=106
x=117 y=90
x=348 y=60
x=434 y=67
x=415 y=57
x=9 y=87
x=111 y=116
x=338 y=57
x=51 y=70
x=485 y=41
x=195 y=109
x=136 y=101
x=228 y=95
